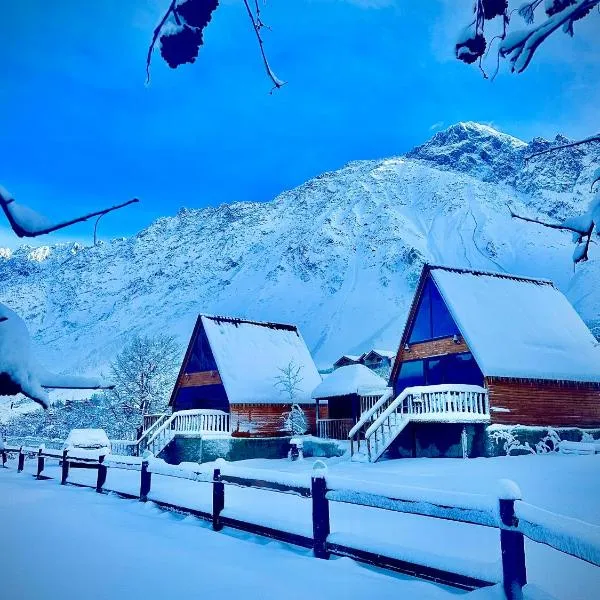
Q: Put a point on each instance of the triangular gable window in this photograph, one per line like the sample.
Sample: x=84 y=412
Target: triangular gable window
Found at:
x=432 y=320
x=200 y=361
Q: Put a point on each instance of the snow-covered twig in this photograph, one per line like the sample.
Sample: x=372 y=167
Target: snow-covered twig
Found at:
x=257 y=25
x=26 y=222
x=155 y=35
x=520 y=46
x=588 y=140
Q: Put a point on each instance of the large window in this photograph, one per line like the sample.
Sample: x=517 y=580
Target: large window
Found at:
x=451 y=368
x=433 y=320
x=411 y=373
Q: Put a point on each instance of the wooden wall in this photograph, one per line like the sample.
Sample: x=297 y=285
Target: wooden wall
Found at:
x=545 y=403
x=432 y=348
x=266 y=420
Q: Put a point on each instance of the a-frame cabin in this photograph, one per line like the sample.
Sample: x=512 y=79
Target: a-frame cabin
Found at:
x=236 y=366
x=518 y=337
x=479 y=349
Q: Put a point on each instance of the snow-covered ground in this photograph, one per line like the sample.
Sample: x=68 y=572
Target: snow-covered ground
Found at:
x=564 y=484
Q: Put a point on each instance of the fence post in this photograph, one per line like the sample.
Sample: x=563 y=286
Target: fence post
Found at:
x=320 y=516
x=21 y=463
x=65 y=468
x=102 y=470
x=512 y=544
x=145 y=482
x=218 y=500
x=40 y=464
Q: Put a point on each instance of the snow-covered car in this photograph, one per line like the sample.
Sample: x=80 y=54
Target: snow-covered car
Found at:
x=88 y=442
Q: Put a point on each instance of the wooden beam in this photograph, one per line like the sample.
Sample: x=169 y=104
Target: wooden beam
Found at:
x=433 y=348
x=199 y=379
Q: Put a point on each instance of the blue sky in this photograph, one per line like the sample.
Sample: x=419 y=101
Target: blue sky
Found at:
x=367 y=79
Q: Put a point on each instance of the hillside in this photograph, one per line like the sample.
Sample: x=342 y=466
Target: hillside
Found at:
x=339 y=255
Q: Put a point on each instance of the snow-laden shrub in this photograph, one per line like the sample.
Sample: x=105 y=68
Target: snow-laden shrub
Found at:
x=512 y=444
x=294 y=421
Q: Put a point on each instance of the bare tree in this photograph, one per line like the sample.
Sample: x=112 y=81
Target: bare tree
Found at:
x=518 y=46
x=288 y=382
x=143 y=373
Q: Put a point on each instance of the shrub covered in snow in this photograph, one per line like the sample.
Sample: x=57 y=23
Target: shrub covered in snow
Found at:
x=294 y=421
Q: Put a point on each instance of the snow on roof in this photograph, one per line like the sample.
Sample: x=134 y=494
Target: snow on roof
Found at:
x=384 y=353
x=349 y=380
x=519 y=327
x=354 y=357
x=250 y=356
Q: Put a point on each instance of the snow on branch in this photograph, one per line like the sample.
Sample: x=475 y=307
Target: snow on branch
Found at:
x=581 y=226
x=26 y=222
x=518 y=46
x=20 y=373
x=257 y=25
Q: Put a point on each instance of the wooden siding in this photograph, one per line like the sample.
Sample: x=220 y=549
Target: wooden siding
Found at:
x=199 y=379
x=544 y=403
x=266 y=420
x=432 y=348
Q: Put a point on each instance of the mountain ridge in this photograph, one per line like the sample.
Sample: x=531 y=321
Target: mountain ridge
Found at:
x=338 y=255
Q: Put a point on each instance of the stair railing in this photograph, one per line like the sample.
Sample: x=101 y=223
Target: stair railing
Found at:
x=161 y=436
x=375 y=433
x=367 y=417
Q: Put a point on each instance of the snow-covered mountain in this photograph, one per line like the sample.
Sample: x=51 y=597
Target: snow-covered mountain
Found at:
x=339 y=255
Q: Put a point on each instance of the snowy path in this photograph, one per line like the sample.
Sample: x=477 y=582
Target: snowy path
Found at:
x=73 y=543
x=567 y=485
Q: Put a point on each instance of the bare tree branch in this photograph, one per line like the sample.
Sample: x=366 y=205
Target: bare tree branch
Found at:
x=27 y=223
x=559 y=226
x=582 y=237
x=593 y=138
x=155 y=37
x=257 y=25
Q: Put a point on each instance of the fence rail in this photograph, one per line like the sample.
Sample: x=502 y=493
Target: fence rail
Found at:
x=514 y=518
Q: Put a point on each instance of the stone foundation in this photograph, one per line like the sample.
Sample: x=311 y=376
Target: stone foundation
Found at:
x=438 y=440
x=194 y=449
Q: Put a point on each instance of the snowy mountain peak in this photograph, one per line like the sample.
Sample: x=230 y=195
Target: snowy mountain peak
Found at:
x=476 y=149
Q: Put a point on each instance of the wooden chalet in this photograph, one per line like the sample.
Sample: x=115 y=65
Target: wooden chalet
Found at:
x=484 y=348
x=347 y=359
x=378 y=359
x=233 y=366
x=343 y=396
x=518 y=337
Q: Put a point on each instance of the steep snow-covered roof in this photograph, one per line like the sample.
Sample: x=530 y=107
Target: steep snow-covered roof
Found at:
x=250 y=356
x=519 y=327
x=349 y=380
x=383 y=353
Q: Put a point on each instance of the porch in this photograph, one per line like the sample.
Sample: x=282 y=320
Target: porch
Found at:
x=160 y=429
x=446 y=403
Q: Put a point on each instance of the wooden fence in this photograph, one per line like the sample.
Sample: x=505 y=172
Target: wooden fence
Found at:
x=514 y=518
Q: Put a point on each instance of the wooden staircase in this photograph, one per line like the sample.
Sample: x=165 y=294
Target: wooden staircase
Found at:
x=196 y=423
x=379 y=426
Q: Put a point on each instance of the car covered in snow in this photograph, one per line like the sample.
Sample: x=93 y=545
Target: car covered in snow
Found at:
x=88 y=442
